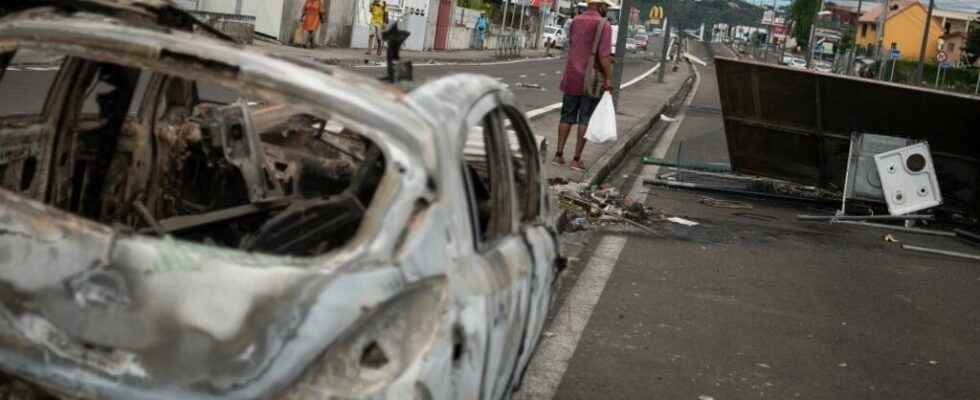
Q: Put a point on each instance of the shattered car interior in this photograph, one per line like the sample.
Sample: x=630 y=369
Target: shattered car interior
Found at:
x=222 y=171
x=181 y=217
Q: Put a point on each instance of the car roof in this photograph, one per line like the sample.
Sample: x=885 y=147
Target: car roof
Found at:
x=127 y=32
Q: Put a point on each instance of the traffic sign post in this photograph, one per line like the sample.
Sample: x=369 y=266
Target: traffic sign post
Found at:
x=895 y=55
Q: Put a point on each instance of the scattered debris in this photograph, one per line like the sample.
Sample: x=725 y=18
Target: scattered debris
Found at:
x=666 y=118
x=970 y=237
x=691 y=165
x=941 y=252
x=712 y=202
x=763 y=365
x=682 y=221
x=832 y=218
x=933 y=362
x=529 y=86
x=899 y=228
x=889 y=238
x=842 y=365
x=704 y=397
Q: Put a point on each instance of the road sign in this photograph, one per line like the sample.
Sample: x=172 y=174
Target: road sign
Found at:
x=941 y=57
x=895 y=54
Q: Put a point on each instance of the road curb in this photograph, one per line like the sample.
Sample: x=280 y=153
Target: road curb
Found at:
x=604 y=165
x=601 y=169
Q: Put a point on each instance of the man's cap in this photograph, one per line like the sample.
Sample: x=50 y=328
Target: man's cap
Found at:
x=606 y=2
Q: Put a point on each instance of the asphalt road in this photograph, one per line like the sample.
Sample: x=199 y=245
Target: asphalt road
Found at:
x=23 y=88
x=544 y=74
x=753 y=304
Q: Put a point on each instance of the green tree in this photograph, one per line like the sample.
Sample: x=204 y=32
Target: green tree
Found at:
x=802 y=13
x=973 y=42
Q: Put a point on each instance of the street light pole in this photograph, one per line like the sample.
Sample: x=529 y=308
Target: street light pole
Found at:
x=882 y=20
x=666 y=44
x=813 y=30
x=925 y=40
x=503 y=20
x=624 y=27
x=850 y=60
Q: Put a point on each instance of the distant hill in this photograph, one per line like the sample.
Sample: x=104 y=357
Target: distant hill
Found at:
x=689 y=14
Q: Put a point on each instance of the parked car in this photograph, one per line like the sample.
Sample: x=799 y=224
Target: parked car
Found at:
x=631 y=44
x=787 y=59
x=823 y=66
x=797 y=62
x=554 y=37
x=184 y=218
x=642 y=40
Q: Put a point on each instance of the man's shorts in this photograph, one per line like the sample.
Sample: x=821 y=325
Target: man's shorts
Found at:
x=577 y=110
x=376 y=31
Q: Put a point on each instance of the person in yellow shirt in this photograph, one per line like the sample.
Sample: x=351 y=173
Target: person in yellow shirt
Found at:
x=379 y=18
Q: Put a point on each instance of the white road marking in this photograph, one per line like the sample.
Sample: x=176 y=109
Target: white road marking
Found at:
x=552 y=107
x=439 y=64
x=554 y=353
x=555 y=350
x=523 y=76
x=43 y=68
x=542 y=74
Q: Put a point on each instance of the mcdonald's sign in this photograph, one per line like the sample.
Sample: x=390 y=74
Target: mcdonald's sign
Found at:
x=656 y=15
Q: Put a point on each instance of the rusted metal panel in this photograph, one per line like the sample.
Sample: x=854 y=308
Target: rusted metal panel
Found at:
x=795 y=125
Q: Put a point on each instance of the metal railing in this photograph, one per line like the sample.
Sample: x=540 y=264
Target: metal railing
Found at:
x=508 y=45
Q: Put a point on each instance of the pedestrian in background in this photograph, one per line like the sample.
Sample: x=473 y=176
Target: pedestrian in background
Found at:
x=481 y=30
x=379 y=18
x=312 y=14
x=589 y=38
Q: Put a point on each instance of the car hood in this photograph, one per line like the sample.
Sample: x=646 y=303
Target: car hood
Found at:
x=90 y=312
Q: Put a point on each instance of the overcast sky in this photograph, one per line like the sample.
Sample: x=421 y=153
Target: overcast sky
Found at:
x=961 y=5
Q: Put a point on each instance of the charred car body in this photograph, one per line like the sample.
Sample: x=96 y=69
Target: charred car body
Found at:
x=184 y=219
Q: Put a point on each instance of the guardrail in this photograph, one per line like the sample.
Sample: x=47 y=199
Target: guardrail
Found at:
x=508 y=45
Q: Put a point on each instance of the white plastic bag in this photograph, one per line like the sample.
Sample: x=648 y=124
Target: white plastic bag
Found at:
x=602 y=125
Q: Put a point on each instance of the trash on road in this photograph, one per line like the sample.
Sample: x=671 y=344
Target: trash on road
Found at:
x=718 y=203
x=941 y=252
x=666 y=118
x=682 y=221
x=889 y=238
x=529 y=86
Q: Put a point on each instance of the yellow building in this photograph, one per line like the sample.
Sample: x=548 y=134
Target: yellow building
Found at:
x=903 y=27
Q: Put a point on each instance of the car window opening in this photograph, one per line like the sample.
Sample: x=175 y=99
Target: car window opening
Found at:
x=163 y=155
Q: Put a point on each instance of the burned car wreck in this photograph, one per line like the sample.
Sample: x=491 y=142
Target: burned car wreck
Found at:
x=184 y=218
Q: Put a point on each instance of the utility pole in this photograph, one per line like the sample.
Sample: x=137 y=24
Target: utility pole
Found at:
x=666 y=44
x=624 y=27
x=520 y=25
x=850 y=60
x=503 y=20
x=925 y=40
x=882 y=19
x=813 y=30
x=976 y=90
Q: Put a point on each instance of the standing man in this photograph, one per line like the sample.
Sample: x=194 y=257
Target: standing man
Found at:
x=576 y=104
x=312 y=14
x=379 y=17
x=481 y=30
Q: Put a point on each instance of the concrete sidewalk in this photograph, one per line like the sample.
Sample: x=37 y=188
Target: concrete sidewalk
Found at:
x=639 y=106
x=349 y=57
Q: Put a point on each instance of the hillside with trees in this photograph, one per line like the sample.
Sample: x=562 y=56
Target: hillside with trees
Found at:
x=689 y=14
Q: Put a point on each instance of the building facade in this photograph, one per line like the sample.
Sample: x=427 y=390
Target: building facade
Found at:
x=903 y=28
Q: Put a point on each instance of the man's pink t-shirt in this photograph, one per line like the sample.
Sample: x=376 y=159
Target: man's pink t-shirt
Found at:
x=580 y=36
